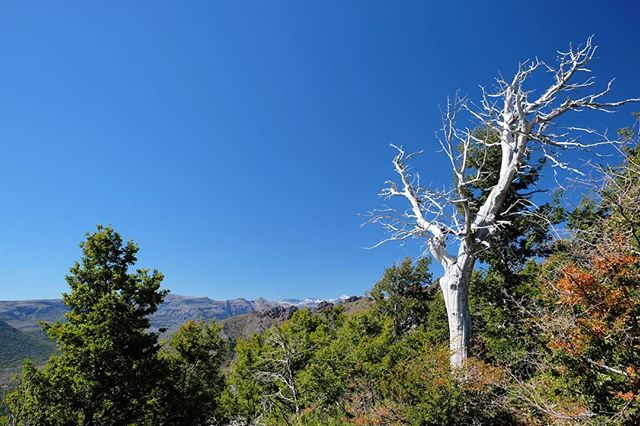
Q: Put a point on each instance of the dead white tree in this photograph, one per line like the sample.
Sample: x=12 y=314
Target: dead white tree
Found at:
x=278 y=373
x=526 y=122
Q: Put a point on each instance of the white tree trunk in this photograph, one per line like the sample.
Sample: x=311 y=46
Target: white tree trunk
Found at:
x=455 y=286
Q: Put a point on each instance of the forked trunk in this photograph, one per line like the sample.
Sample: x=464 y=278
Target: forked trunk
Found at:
x=455 y=286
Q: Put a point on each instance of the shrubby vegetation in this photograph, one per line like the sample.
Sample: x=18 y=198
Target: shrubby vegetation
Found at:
x=556 y=339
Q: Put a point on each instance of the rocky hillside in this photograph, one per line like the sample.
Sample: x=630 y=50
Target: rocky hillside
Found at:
x=243 y=326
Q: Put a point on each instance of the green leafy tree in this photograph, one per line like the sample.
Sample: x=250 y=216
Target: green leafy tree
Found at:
x=106 y=371
x=194 y=359
x=242 y=396
x=404 y=293
x=267 y=381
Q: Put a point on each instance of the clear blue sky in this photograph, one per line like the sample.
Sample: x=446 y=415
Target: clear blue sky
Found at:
x=237 y=141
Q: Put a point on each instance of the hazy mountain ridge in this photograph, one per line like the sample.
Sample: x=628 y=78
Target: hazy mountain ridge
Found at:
x=25 y=315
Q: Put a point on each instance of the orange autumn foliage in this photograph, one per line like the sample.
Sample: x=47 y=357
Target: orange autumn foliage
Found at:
x=599 y=296
x=599 y=305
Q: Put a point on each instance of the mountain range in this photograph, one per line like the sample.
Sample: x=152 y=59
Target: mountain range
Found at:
x=25 y=315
